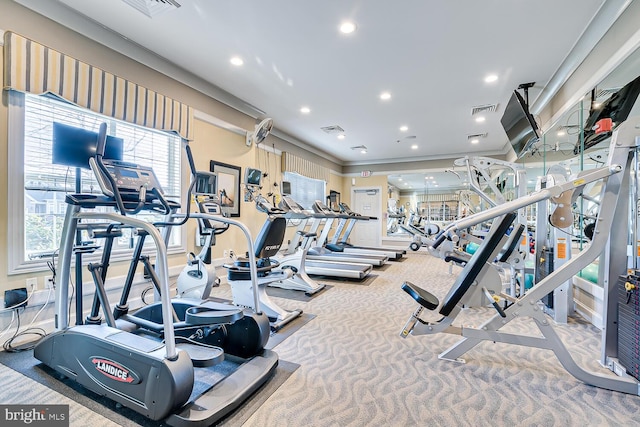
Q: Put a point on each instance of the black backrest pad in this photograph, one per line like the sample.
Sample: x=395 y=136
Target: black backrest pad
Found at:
x=271 y=236
x=512 y=243
x=476 y=264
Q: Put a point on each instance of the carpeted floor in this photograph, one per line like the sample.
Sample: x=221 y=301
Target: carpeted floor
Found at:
x=355 y=370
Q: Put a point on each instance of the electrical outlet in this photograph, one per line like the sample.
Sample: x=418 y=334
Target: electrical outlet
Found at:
x=225 y=254
x=32 y=283
x=48 y=282
x=231 y=253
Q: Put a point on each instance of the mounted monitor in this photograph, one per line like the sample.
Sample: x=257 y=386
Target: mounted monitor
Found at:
x=286 y=188
x=206 y=184
x=617 y=108
x=520 y=126
x=252 y=178
x=73 y=146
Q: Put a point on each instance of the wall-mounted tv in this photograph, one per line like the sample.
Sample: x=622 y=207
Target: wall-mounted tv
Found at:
x=519 y=125
x=73 y=146
x=617 y=108
x=252 y=178
x=206 y=184
x=286 y=188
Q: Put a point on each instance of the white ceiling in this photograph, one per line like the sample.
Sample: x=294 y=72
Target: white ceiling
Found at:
x=432 y=57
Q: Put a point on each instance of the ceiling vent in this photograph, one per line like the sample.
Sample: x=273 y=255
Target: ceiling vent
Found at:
x=406 y=137
x=153 y=8
x=605 y=93
x=477 y=136
x=481 y=109
x=332 y=130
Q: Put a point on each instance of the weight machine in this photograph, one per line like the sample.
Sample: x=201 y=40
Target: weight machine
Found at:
x=610 y=243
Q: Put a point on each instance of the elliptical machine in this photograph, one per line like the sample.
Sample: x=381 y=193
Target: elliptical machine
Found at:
x=138 y=359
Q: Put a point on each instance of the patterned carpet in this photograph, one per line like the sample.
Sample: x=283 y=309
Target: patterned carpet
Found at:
x=355 y=370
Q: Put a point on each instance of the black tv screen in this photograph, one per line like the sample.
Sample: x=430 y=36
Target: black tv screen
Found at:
x=73 y=146
x=253 y=177
x=519 y=125
x=617 y=108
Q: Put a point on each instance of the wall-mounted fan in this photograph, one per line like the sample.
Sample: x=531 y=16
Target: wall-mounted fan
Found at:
x=260 y=132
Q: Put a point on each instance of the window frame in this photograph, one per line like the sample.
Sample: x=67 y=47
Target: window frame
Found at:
x=16 y=198
x=299 y=176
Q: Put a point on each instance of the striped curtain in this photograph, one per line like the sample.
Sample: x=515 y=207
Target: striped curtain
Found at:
x=304 y=167
x=35 y=68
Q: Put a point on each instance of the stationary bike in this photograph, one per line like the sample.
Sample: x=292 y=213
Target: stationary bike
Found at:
x=199 y=275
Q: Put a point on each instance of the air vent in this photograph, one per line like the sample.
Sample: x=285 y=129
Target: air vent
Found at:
x=605 y=93
x=481 y=109
x=477 y=136
x=359 y=147
x=406 y=137
x=332 y=130
x=153 y=8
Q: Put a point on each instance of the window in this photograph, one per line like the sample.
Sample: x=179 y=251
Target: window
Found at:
x=38 y=187
x=305 y=190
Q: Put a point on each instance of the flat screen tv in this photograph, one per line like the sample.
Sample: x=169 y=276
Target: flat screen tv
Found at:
x=252 y=177
x=206 y=184
x=617 y=108
x=519 y=125
x=73 y=146
x=286 y=188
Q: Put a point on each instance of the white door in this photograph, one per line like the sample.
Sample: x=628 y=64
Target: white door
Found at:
x=367 y=202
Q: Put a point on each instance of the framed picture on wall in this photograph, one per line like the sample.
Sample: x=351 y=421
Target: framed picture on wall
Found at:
x=228 y=186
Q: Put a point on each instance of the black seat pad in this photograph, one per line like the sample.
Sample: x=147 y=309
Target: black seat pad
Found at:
x=424 y=298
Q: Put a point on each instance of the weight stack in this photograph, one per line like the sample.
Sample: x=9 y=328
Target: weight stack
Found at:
x=629 y=323
x=544 y=267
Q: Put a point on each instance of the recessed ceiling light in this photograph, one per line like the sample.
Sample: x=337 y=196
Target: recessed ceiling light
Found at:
x=561 y=133
x=347 y=27
x=305 y=110
x=491 y=78
x=399 y=179
x=475 y=141
x=385 y=96
x=363 y=151
x=430 y=177
x=480 y=119
x=237 y=61
x=414 y=147
x=436 y=185
x=404 y=128
x=341 y=136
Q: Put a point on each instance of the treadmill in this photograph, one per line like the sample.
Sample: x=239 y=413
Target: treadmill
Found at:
x=341 y=245
x=314 y=267
x=346 y=224
x=327 y=251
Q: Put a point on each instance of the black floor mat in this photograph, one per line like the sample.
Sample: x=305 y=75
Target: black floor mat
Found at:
x=273 y=291
x=29 y=366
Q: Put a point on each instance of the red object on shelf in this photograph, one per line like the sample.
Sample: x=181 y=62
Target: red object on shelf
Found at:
x=603 y=125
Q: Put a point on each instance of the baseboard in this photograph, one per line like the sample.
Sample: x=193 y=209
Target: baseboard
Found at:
x=113 y=287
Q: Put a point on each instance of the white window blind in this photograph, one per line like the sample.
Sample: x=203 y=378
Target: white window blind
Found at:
x=45 y=183
x=305 y=190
